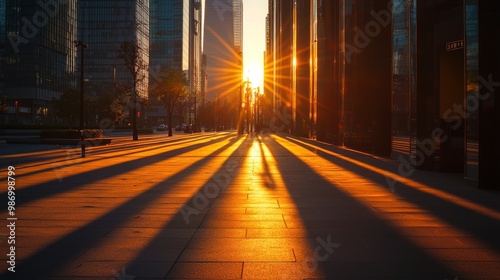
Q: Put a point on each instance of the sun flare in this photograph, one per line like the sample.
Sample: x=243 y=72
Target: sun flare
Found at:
x=255 y=73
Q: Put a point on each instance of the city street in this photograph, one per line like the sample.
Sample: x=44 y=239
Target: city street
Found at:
x=229 y=206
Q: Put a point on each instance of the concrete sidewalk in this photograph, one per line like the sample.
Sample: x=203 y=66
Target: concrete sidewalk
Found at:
x=223 y=206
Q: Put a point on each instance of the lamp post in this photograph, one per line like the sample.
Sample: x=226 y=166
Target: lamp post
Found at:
x=408 y=12
x=247 y=106
x=82 y=46
x=240 y=107
x=195 y=115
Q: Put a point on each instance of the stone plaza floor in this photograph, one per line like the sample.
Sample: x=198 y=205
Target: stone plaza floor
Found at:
x=228 y=206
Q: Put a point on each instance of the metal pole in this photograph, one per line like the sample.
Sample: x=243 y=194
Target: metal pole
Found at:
x=408 y=11
x=240 y=107
x=195 y=115
x=82 y=46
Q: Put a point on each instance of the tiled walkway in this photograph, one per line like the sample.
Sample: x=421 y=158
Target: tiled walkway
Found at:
x=223 y=206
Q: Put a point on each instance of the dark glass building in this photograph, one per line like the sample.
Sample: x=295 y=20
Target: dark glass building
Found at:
x=169 y=34
x=223 y=57
x=2 y=47
x=175 y=43
x=374 y=88
x=39 y=57
x=104 y=26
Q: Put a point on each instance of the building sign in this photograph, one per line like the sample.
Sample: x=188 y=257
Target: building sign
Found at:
x=25 y=110
x=456 y=45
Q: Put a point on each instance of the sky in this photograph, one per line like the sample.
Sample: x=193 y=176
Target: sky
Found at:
x=254 y=40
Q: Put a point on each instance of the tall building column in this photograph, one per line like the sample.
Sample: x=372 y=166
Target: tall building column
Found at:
x=440 y=87
x=284 y=21
x=489 y=87
x=329 y=65
x=368 y=76
x=302 y=59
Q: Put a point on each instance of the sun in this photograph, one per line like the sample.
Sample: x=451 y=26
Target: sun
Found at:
x=255 y=73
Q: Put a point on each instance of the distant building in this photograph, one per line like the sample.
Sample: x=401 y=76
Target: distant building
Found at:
x=2 y=46
x=222 y=46
x=169 y=35
x=195 y=58
x=238 y=24
x=104 y=26
x=175 y=42
x=38 y=57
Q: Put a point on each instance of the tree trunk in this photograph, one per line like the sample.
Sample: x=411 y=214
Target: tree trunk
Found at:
x=169 y=118
x=135 y=135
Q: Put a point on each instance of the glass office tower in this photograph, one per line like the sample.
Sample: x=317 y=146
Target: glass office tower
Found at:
x=104 y=26
x=169 y=34
x=175 y=43
x=223 y=69
x=39 y=57
x=2 y=46
x=403 y=76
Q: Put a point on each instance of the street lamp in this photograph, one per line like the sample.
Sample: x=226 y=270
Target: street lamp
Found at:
x=408 y=12
x=240 y=109
x=247 y=106
x=82 y=46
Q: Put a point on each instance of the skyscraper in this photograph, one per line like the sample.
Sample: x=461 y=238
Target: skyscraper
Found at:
x=175 y=42
x=238 y=24
x=104 y=26
x=169 y=37
x=223 y=54
x=195 y=59
x=39 y=56
x=2 y=44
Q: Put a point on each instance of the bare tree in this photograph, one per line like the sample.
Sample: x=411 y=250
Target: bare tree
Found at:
x=67 y=107
x=131 y=53
x=171 y=88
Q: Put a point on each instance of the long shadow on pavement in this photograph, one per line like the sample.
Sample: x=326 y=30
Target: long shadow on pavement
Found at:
x=59 y=254
x=164 y=247
x=63 y=163
x=72 y=182
x=353 y=225
x=482 y=227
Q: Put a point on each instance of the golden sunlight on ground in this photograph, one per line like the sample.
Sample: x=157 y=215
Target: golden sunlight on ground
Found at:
x=229 y=206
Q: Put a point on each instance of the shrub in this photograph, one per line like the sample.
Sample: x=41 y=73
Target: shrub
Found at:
x=71 y=134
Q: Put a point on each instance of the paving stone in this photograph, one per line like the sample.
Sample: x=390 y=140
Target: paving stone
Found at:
x=204 y=270
x=290 y=208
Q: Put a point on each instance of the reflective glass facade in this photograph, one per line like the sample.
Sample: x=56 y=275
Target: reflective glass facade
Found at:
x=430 y=102
x=169 y=37
x=223 y=69
x=104 y=26
x=238 y=24
x=2 y=43
x=472 y=89
x=195 y=44
x=39 y=55
x=403 y=75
